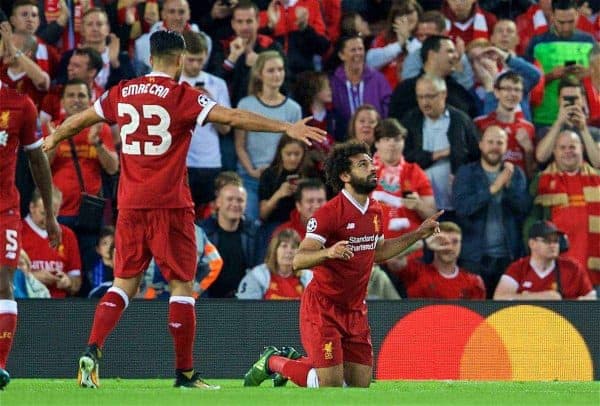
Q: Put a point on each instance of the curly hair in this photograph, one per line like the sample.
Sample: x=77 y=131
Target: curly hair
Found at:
x=339 y=162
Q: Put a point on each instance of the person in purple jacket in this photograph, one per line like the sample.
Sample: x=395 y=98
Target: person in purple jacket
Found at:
x=353 y=84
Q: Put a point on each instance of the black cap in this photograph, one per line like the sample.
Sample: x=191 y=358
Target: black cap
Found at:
x=543 y=229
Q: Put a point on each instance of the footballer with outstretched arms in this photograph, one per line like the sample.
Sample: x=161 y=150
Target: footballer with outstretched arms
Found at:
x=156 y=116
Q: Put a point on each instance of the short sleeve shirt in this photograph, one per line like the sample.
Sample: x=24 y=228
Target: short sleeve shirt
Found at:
x=156 y=116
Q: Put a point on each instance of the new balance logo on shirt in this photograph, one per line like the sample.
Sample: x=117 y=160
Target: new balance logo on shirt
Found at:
x=350 y=226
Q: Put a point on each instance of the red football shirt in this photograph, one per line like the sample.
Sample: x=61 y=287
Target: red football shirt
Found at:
x=50 y=107
x=423 y=281
x=281 y=288
x=157 y=116
x=17 y=127
x=392 y=182
x=64 y=174
x=22 y=84
x=343 y=218
x=65 y=258
x=514 y=152
x=574 y=282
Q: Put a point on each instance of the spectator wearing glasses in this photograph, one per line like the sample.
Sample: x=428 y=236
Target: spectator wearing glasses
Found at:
x=508 y=90
x=440 y=138
x=544 y=275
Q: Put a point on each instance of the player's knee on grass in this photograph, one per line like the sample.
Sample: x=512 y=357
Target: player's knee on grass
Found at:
x=331 y=377
x=357 y=375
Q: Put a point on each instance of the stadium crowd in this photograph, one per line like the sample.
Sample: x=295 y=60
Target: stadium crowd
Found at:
x=489 y=110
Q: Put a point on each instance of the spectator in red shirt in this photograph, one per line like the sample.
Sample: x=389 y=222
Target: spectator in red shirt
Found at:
x=18 y=68
x=508 y=89
x=403 y=189
x=95 y=153
x=85 y=63
x=299 y=27
x=58 y=268
x=276 y=279
x=25 y=16
x=442 y=279
x=309 y=196
x=543 y=275
x=391 y=46
x=467 y=21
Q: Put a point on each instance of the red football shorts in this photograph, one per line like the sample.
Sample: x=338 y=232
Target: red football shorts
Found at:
x=168 y=235
x=10 y=238
x=332 y=335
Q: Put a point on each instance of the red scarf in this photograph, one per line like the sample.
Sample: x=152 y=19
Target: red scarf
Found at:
x=552 y=192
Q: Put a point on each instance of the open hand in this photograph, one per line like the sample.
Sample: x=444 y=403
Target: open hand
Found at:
x=300 y=131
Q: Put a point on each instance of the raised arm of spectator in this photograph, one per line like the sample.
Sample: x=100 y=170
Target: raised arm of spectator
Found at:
x=51 y=32
x=38 y=76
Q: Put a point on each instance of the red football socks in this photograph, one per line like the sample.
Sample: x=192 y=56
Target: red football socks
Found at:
x=296 y=370
x=108 y=313
x=8 y=326
x=182 y=325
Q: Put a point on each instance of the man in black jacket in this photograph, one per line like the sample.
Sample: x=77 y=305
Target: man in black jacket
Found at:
x=440 y=138
x=440 y=58
x=235 y=238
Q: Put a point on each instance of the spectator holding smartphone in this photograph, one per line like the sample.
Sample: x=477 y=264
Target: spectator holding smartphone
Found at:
x=571 y=116
x=277 y=185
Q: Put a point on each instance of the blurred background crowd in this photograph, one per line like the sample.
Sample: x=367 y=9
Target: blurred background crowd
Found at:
x=487 y=109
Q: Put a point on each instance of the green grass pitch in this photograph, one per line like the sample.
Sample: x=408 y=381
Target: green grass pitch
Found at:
x=42 y=392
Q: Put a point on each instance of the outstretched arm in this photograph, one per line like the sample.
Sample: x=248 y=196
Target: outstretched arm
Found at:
x=395 y=246
x=246 y=120
x=70 y=127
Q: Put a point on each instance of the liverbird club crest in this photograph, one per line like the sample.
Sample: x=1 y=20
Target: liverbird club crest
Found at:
x=4 y=117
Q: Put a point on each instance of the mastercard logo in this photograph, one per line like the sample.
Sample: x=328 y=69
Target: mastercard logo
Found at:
x=519 y=343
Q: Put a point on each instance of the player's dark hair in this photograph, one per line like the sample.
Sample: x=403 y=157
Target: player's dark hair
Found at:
x=166 y=43
x=564 y=4
x=509 y=75
x=307 y=184
x=95 y=59
x=76 y=82
x=338 y=162
x=432 y=43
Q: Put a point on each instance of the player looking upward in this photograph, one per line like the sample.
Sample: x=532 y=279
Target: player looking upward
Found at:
x=343 y=240
x=156 y=115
